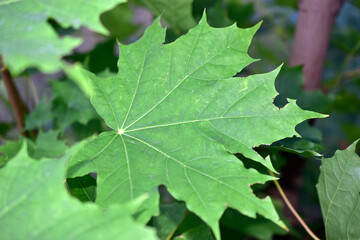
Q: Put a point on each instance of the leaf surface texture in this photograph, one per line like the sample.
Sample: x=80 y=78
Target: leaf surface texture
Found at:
x=177 y=115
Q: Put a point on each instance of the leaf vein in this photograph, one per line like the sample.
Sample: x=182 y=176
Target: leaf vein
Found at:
x=172 y=90
x=332 y=199
x=128 y=168
x=211 y=119
x=193 y=169
x=138 y=80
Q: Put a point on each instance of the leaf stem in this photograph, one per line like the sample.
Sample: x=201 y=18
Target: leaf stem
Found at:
x=287 y=202
x=18 y=107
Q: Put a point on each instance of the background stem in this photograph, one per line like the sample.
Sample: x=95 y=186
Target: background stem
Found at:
x=18 y=107
x=292 y=209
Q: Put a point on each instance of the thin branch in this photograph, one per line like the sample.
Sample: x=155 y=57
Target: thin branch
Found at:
x=286 y=200
x=18 y=107
x=350 y=74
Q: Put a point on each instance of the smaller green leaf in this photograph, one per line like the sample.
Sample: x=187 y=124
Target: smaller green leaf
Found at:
x=290 y=83
x=40 y=116
x=70 y=104
x=9 y=150
x=35 y=205
x=308 y=132
x=215 y=11
x=83 y=188
x=199 y=232
x=48 y=145
x=240 y=12
x=193 y=228
x=298 y=146
x=259 y=228
x=93 y=61
x=171 y=215
x=339 y=194
x=177 y=14
x=91 y=128
x=121 y=15
x=27 y=40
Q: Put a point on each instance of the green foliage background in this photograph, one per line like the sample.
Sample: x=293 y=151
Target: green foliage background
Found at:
x=40 y=38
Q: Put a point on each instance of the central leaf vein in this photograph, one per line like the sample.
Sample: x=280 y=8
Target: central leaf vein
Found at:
x=128 y=168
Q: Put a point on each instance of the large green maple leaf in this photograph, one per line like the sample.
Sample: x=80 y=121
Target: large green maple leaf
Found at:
x=339 y=194
x=34 y=204
x=27 y=40
x=178 y=114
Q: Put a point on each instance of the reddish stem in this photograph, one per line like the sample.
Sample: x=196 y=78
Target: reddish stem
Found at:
x=18 y=107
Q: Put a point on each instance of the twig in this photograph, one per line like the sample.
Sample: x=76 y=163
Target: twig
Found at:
x=18 y=107
x=33 y=90
x=350 y=74
x=286 y=200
